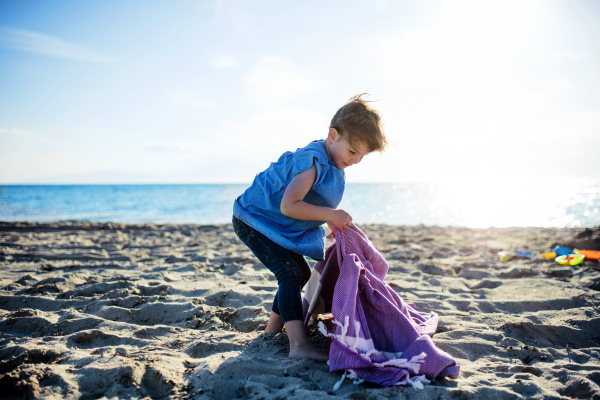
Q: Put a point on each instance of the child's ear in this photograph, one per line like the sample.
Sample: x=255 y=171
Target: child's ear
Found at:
x=332 y=135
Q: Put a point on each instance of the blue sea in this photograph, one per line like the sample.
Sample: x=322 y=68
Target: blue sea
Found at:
x=470 y=204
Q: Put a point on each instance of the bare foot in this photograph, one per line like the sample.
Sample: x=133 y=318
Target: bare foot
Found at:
x=275 y=324
x=308 y=352
x=300 y=347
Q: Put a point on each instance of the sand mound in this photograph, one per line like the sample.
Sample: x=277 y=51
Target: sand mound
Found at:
x=175 y=311
x=588 y=239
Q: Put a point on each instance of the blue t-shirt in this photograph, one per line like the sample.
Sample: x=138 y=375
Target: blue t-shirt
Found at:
x=259 y=206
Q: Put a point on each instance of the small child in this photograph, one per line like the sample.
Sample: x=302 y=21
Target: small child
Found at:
x=279 y=216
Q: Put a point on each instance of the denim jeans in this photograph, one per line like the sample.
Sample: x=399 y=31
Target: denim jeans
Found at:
x=291 y=270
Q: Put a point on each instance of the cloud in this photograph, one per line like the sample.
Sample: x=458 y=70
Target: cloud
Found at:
x=23 y=135
x=15 y=132
x=33 y=42
x=221 y=61
x=275 y=62
x=192 y=100
x=572 y=55
x=275 y=80
x=161 y=148
x=279 y=129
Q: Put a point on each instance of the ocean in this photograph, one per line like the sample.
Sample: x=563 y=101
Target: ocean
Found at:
x=469 y=204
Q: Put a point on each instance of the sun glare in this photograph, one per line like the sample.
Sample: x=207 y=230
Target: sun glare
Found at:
x=509 y=202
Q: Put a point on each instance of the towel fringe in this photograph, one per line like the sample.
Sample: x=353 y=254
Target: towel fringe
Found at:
x=323 y=330
x=356 y=334
x=339 y=383
x=414 y=364
x=371 y=352
x=345 y=327
x=416 y=381
x=352 y=375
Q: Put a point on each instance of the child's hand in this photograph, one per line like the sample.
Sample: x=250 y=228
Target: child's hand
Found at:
x=331 y=226
x=340 y=219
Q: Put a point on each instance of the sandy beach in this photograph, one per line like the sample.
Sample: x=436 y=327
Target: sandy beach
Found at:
x=90 y=310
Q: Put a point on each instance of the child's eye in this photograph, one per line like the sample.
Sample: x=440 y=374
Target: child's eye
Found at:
x=352 y=152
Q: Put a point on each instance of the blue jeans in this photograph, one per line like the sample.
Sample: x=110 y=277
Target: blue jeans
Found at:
x=291 y=270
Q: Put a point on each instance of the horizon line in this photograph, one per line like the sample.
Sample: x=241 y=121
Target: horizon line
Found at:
x=179 y=183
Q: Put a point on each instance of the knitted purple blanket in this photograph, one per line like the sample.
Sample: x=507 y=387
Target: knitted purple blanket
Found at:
x=378 y=337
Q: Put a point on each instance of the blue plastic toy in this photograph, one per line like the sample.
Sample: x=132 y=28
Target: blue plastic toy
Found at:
x=562 y=251
x=524 y=254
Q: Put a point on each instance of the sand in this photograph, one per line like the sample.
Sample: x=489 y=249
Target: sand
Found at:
x=176 y=311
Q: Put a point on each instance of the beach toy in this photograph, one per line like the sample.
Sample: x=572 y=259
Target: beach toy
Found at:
x=524 y=254
x=550 y=256
x=571 y=259
x=562 y=250
x=589 y=254
x=576 y=259
x=503 y=256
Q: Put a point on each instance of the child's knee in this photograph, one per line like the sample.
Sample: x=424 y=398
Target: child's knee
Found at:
x=292 y=274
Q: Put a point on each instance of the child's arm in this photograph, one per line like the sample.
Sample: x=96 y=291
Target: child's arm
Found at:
x=293 y=205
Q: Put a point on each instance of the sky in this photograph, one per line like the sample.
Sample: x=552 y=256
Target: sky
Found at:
x=213 y=91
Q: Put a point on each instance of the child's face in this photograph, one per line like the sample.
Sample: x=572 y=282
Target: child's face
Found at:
x=342 y=153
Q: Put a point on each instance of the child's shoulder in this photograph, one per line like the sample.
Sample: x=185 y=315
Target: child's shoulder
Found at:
x=314 y=152
x=315 y=145
x=314 y=148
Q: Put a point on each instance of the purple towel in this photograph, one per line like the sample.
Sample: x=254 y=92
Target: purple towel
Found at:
x=378 y=337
